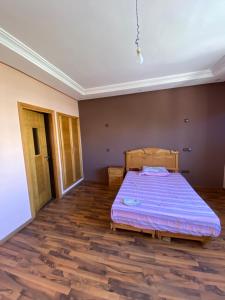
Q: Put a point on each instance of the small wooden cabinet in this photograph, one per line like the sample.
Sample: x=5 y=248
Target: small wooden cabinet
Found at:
x=115 y=175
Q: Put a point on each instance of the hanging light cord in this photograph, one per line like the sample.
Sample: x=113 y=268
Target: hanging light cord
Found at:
x=138 y=26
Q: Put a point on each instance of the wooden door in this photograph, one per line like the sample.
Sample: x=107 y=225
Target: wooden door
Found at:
x=38 y=159
x=70 y=149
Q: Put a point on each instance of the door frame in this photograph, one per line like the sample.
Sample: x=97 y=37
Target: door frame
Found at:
x=54 y=148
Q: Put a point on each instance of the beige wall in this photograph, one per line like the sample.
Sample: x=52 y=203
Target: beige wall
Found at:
x=17 y=87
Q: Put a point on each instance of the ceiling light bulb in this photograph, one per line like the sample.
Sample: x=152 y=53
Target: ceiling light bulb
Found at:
x=140 y=58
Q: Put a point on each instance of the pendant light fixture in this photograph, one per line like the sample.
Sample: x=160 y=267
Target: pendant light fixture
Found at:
x=140 y=58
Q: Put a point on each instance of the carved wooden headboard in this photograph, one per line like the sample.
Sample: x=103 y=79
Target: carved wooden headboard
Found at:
x=154 y=157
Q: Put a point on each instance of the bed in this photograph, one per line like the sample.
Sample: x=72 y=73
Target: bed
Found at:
x=169 y=207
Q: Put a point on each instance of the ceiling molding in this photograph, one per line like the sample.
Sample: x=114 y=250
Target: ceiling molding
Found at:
x=171 y=81
x=152 y=83
x=21 y=49
x=219 y=68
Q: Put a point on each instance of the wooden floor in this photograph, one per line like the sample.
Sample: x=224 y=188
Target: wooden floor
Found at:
x=69 y=252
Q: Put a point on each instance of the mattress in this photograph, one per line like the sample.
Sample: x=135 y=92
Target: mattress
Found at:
x=166 y=203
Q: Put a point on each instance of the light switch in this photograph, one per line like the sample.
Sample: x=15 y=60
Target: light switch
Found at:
x=188 y=149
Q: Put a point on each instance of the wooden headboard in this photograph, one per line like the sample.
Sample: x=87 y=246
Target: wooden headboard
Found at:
x=154 y=157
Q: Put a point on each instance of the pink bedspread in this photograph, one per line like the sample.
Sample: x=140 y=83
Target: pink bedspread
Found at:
x=166 y=203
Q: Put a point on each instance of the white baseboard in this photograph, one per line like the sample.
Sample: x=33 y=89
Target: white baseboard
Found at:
x=2 y=241
x=72 y=186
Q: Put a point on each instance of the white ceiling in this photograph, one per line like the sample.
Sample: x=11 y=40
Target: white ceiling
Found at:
x=86 y=48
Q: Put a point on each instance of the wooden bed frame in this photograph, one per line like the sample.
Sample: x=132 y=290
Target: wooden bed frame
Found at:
x=115 y=226
x=135 y=160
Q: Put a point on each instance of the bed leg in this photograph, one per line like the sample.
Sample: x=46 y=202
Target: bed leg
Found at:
x=158 y=235
x=161 y=237
x=112 y=227
x=166 y=239
x=205 y=241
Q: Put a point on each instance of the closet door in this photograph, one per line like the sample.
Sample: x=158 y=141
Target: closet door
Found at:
x=69 y=132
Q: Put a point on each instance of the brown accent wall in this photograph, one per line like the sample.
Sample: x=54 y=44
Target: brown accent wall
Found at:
x=113 y=125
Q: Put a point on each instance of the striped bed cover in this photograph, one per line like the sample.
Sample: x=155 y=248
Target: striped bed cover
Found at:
x=166 y=204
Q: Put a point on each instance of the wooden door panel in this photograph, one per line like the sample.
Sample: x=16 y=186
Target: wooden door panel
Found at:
x=66 y=148
x=70 y=149
x=40 y=170
x=36 y=150
x=42 y=164
x=69 y=178
x=76 y=148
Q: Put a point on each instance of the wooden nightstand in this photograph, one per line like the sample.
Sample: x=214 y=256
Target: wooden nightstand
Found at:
x=115 y=175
